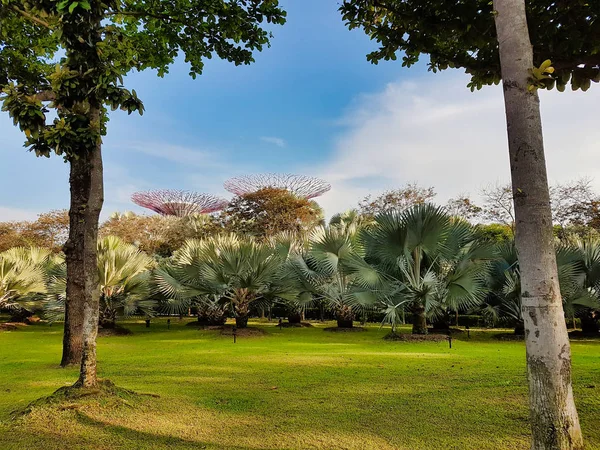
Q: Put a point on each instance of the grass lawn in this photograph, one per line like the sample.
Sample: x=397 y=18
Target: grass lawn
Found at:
x=289 y=389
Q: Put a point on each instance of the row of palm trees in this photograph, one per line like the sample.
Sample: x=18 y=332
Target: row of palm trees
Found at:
x=420 y=262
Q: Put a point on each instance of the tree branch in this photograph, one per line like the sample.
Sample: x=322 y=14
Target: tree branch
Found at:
x=44 y=96
x=32 y=17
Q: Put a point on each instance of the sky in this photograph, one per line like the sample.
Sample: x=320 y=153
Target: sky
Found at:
x=311 y=104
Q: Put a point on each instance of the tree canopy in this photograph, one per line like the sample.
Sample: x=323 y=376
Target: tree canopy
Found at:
x=99 y=43
x=270 y=211
x=462 y=35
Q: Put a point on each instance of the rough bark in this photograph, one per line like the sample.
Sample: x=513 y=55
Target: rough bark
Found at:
x=80 y=217
x=554 y=420
x=87 y=374
x=83 y=293
x=344 y=316
x=419 y=320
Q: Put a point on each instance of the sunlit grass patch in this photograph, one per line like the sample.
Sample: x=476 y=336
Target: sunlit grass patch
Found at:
x=294 y=388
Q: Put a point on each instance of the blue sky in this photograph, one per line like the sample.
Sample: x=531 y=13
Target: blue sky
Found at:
x=310 y=104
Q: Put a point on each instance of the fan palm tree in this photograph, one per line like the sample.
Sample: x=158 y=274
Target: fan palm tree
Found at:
x=432 y=262
x=239 y=271
x=582 y=258
x=124 y=273
x=332 y=270
x=351 y=221
x=576 y=273
x=23 y=275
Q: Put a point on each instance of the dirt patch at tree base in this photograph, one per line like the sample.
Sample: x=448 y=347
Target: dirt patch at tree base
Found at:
x=204 y=326
x=415 y=337
x=344 y=330
x=71 y=397
x=117 y=331
x=296 y=325
x=11 y=326
x=444 y=331
x=242 y=332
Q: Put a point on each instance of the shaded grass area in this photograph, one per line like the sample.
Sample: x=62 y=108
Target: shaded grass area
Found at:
x=291 y=388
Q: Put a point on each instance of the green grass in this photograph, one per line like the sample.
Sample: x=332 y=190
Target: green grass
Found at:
x=290 y=389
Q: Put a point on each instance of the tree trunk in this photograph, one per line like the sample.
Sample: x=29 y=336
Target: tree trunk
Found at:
x=345 y=317
x=241 y=321
x=554 y=420
x=294 y=317
x=419 y=320
x=345 y=323
x=83 y=294
x=79 y=248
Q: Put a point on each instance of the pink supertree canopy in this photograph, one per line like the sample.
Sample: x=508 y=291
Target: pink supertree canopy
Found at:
x=300 y=185
x=178 y=203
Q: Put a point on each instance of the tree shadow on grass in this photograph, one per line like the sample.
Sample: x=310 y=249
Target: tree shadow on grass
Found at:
x=135 y=439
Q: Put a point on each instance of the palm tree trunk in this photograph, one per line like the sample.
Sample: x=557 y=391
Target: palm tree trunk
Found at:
x=345 y=317
x=419 y=320
x=554 y=419
x=294 y=317
x=242 y=307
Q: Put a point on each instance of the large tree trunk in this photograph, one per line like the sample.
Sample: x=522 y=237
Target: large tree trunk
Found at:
x=83 y=294
x=554 y=420
x=82 y=243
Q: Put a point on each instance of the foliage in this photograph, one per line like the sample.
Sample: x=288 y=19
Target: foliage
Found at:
x=124 y=273
x=396 y=199
x=101 y=42
x=23 y=275
x=158 y=235
x=577 y=267
x=332 y=270
x=575 y=209
x=270 y=211
x=463 y=207
x=351 y=221
x=583 y=297
x=463 y=35
x=495 y=232
x=50 y=230
x=239 y=271
x=433 y=263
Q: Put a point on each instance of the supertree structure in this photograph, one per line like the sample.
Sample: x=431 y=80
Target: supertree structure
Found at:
x=178 y=203
x=300 y=185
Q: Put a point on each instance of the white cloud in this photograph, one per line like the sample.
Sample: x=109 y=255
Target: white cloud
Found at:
x=16 y=214
x=279 y=142
x=435 y=131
